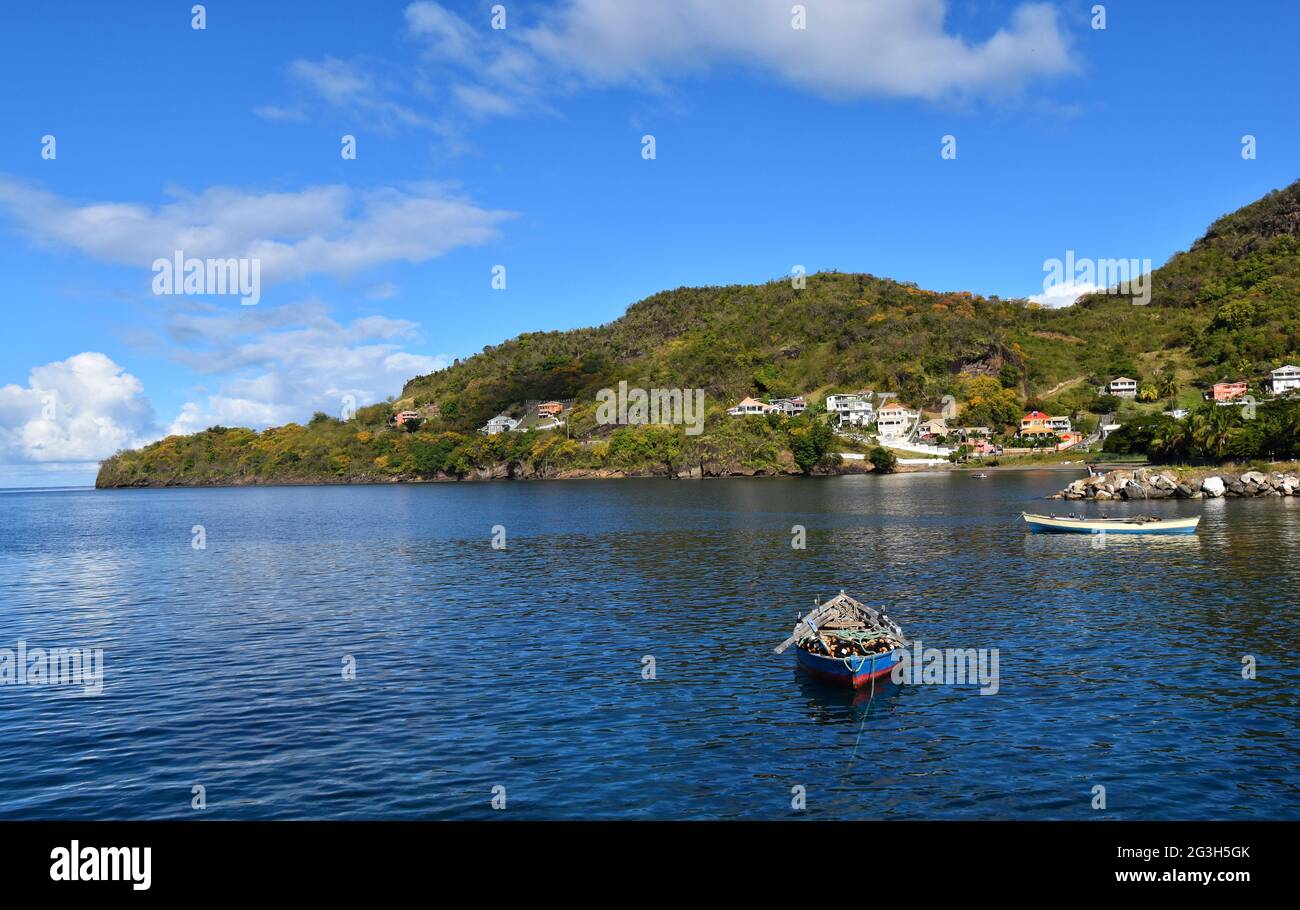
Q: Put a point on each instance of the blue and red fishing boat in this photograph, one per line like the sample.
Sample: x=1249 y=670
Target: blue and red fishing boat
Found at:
x=848 y=671
x=844 y=641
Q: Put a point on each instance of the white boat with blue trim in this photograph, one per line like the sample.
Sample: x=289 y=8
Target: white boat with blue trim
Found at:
x=1135 y=524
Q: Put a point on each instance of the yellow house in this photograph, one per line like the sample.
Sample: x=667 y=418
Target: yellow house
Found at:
x=1036 y=423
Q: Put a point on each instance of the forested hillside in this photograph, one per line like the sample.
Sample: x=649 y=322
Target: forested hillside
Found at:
x=1228 y=306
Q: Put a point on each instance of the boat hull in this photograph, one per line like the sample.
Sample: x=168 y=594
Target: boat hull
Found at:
x=1047 y=524
x=849 y=671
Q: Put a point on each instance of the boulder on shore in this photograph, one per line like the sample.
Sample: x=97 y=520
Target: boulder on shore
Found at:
x=1151 y=484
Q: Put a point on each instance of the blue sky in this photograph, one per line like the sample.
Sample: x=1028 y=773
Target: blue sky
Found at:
x=522 y=147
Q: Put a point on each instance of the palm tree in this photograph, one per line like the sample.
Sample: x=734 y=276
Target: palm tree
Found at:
x=1172 y=440
x=1194 y=430
x=1282 y=434
x=1167 y=385
x=1291 y=432
x=1213 y=430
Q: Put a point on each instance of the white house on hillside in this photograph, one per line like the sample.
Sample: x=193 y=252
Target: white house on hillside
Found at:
x=502 y=423
x=857 y=413
x=1122 y=387
x=1060 y=424
x=895 y=419
x=851 y=410
x=837 y=402
x=1284 y=379
x=749 y=406
x=790 y=407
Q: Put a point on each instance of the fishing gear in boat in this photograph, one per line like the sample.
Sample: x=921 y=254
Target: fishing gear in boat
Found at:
x=848 y=643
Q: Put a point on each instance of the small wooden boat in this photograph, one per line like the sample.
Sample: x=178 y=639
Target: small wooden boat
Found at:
x=846 y=642
x=1137 y=524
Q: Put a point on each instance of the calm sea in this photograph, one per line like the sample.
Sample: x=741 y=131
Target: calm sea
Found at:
x=522 y=668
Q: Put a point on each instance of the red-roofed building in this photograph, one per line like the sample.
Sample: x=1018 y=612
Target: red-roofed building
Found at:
x=895 y=419
x=1036 y=423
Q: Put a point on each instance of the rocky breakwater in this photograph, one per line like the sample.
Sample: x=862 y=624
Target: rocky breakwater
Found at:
x=1155 y=483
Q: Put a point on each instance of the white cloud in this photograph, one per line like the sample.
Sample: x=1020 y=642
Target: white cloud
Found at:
x=349 y=84
x=276 y=367
x=1064 y=294
x=849 y=49
x=73 y=412
x=268 y=366
x=483 y=102
x=331 y=230
x=281 y=114
x=385 y=290
x=335 y=80
x=446 y=35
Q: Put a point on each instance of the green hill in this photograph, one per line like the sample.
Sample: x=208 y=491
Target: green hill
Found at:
x=1229 y=305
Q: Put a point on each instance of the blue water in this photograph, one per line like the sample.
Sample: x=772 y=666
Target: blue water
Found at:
x=522 y=667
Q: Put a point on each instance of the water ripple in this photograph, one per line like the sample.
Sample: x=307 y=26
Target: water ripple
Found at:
x=522 y=667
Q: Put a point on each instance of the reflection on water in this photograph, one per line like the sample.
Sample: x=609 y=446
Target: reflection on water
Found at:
x=829 y=703
x=1119 y=664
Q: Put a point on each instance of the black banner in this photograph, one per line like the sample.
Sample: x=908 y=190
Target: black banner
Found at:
x=332 y=859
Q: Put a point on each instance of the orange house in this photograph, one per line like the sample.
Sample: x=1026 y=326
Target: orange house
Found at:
x=1226 y=391
x=549 y=409
x=1035 y=423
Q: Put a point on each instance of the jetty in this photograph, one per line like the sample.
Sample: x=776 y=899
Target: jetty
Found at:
x=1168 y=483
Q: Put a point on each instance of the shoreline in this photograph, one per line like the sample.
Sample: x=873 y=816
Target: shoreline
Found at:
x=477 y=478
x=1050 y=466
x=496 y=476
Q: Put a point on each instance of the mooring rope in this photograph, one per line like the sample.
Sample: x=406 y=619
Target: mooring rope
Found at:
x=871 y=699
x=866 y=715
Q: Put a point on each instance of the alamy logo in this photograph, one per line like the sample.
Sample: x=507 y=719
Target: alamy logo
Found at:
x=76 y=863
x=194 y=277
x=638 y=406
x=1123 y=277
x=53 y=667
x=947 y=667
